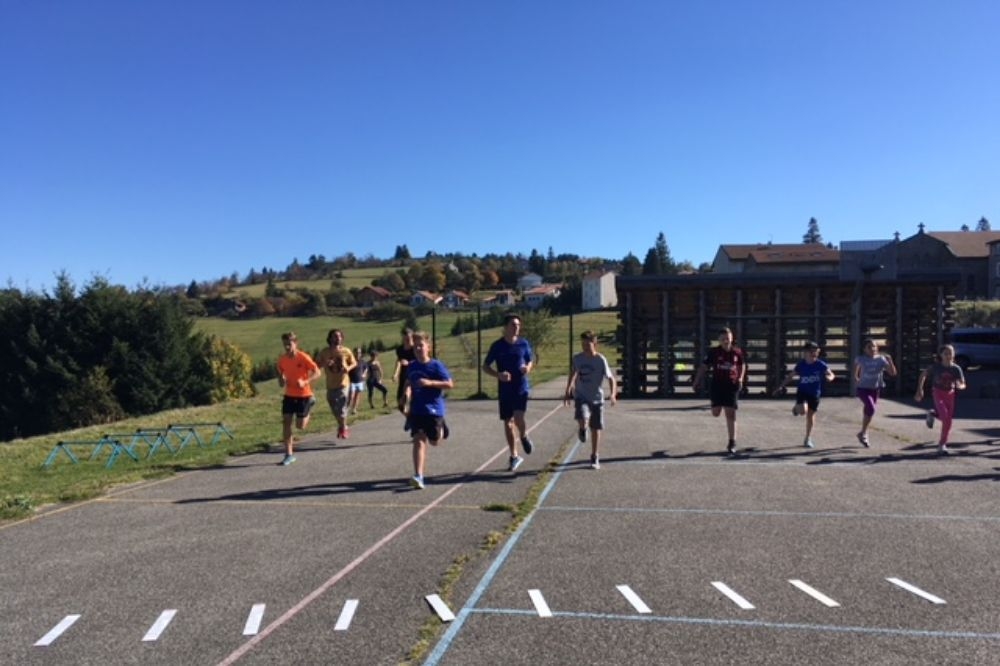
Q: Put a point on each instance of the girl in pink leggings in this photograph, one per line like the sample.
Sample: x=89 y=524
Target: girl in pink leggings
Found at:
x=946 y=378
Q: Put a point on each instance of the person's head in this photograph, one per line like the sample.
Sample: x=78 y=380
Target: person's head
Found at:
x=421 y=346
x=407 y=335
x=511 y=326
x=290 y=342
x=357 y=352
x=870 y=347
x=588 y=340
x=373 y=354
x=947 y=354
x=725 y=338
x=810 y=351
x=335 y=337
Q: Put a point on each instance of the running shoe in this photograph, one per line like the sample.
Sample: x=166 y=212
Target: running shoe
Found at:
x=799 y=409
x=808 y=443
x=943 y=449
x=288 y=460
x=417 y=482
x=731 y=447
x=346 y=432
x=863 y=438
x=527 y=445
x=929 y=419
x=595 y=462
x=515 y=462
x=582 y=435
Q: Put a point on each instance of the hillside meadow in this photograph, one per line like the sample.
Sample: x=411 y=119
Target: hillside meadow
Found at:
x=26 y=485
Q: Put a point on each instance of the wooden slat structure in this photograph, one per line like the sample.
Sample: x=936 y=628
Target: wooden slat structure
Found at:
x=669 y=322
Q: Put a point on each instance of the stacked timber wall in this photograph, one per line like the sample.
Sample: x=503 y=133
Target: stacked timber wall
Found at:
x=669 y=323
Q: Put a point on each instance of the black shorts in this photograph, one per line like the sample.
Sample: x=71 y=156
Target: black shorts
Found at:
x=428 y=424
x=808 y=399
x=510 y=403
x=298 y=406
x=724 y=396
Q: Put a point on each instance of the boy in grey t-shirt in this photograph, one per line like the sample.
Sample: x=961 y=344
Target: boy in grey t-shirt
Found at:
x=584 y=387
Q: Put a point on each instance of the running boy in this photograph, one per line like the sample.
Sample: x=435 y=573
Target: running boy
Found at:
x=946 y=377
x=514 y=359
x=868 y=375
x=296 y=372
x=727 y=368
x=811 y=371
x=426 y=378
x=338 y=361
x=585 y=389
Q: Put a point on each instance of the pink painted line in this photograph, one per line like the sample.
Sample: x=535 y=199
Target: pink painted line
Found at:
x=359 y=560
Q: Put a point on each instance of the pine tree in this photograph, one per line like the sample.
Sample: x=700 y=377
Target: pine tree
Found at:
x=812 y=234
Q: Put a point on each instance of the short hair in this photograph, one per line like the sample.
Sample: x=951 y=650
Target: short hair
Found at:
x=420 y=335
x=287 y=337
x=329 y=336
x=589 y=335
x=510 y=316
x=810 y=345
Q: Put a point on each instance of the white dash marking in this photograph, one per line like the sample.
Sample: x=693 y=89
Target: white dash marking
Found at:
x=440 y=607
x=253 y=620
x=733 y=596
x=57 y=631
x=346 y=615
x=916 y=590
x=633 y=599
x=540 y=605
x=160 y=624
x=815 y=594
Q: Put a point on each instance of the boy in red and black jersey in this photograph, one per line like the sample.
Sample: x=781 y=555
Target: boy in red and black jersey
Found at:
x=727 y=369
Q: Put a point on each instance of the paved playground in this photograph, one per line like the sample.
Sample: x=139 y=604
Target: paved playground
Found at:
x=671 y=553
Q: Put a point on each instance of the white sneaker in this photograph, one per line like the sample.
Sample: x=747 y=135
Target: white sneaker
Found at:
x=595 y=462
x=808 y=443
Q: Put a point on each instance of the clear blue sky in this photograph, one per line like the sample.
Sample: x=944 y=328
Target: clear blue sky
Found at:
x=171 y=141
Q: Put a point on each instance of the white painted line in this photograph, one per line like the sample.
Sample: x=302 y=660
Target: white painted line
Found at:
x=160 y=624
x=440 y=607
x=733 y=596
x=540 y=605
x=916 y=590
x=633 y=599
x=346 y=615
x=253 y=620
x=815 y=594
x=57 y=631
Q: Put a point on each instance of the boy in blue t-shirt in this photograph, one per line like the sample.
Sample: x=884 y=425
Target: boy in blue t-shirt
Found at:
x=811 y=372
x=426 y=380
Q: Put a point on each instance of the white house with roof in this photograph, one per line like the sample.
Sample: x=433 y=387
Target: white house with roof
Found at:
x=533 y=298
x=598 y=289
x=424 y=298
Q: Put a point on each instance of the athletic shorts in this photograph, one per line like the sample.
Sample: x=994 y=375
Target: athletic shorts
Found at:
x=337 y=399
x=811 y=400
x=428 y=424
x=724 y=396
x=298 y=406
x=358 y=387
x=589 y=411
x=512 y=402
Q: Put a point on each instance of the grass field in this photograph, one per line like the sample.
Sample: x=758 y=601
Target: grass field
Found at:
x=353 y=278
x=25 y=485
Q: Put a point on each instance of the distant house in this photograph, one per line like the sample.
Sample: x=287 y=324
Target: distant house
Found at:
x=499 y=299
x=972 y=252
x=455 y=298
x=533 y=298
x=599 y=290
x=775 y=257
x=369 y=296
x=529 y=281
x=994 y=269
x=424 y=298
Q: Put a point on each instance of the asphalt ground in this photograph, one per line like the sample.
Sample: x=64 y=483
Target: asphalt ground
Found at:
x=170 y=572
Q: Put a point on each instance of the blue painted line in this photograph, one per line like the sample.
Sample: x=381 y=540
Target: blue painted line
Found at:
x=445 y=643
x=753 y=624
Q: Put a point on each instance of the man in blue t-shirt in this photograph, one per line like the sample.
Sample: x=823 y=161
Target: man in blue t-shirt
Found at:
x=812 y=372
x=513 y=358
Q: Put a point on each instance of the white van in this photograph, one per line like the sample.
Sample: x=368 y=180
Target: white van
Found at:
x=976 y=346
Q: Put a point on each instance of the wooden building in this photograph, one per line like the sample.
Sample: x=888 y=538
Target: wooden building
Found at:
x=669 y=322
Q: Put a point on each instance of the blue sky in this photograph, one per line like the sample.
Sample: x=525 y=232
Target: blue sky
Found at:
x=161 y=142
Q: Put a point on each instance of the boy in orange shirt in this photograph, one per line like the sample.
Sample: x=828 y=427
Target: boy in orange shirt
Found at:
x=296 y=372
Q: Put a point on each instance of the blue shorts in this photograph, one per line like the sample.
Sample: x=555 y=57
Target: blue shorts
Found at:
x=512 y=402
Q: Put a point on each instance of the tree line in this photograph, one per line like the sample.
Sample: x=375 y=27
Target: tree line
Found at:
x=70 y=360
